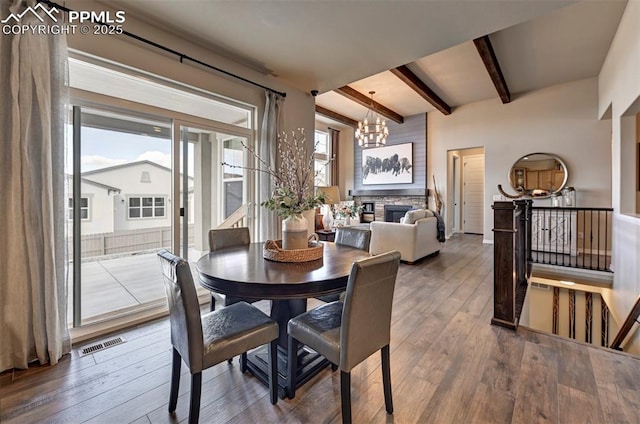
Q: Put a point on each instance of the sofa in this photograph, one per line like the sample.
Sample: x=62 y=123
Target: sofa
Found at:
x=415 y=236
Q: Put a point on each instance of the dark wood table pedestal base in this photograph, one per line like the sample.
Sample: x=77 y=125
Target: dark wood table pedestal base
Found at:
x=309 y=364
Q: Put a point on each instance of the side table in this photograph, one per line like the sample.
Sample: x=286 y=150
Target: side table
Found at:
x=325 y=235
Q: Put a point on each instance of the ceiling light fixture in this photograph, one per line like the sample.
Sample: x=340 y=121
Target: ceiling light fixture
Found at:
x=373 y=131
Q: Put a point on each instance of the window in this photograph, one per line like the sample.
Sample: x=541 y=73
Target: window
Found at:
x=321 y=155
x=84 y=208
x=232 y=177
x=146 y=207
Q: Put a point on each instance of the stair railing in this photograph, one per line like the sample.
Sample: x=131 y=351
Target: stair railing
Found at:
x=511 y=260
x=632 y=318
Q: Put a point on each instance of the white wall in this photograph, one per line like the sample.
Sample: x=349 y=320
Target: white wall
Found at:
x=562 y=120
x=100 y=210
x=619 y=91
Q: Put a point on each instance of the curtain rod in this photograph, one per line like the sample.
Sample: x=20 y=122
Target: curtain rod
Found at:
x=182 y=56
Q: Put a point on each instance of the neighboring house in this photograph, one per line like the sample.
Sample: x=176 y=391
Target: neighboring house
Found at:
x=96 y=206
x=131 y=196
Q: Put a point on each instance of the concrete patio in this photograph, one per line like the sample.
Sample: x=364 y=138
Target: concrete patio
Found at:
x=116 y=284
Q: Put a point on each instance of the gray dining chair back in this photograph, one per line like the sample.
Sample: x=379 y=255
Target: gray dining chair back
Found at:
x=225 y=238
x=360 y=238
x=346 y=333
x=228 y=237
x=184 y=310
x=202 y=341
x=366 y=314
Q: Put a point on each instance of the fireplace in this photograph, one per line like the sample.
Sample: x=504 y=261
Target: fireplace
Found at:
x=393 y=213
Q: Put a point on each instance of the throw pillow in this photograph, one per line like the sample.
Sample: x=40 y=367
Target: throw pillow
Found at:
x=413 y=215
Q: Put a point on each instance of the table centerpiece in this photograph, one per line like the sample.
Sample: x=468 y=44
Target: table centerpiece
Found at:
x=293 y=193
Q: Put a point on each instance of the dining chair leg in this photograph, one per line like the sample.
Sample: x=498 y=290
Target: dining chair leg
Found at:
x=175 y=381
x=243 y=362
x=196 y=390
x=386 y=379
x=292 y=366
x=273 y=371
x=345 y=396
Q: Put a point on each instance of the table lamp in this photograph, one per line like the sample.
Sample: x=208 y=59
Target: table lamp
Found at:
x=331 y=197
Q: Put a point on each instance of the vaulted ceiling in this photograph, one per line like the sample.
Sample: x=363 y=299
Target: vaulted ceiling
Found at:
x=399 y=49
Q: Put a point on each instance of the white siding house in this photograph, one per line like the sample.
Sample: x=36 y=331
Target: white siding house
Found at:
x=140 y=197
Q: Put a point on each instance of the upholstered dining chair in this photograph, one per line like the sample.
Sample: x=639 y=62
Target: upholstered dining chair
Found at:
x=348 y=333
x=224 y=238
x=360 y=238
x=202 y=341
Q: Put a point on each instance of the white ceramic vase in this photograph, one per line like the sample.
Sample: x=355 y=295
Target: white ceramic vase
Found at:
x=294 y=232
x=327 y=218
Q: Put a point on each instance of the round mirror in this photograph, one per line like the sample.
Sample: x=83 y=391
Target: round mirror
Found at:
x=538 y=175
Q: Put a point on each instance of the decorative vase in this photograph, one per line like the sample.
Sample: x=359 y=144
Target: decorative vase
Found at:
x=327 y=219
x=310 y=216
x=294 y=232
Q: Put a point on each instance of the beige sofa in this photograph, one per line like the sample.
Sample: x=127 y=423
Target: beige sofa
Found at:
x=414 y=237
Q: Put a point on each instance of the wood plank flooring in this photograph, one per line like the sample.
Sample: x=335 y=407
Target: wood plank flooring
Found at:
x=448 y=365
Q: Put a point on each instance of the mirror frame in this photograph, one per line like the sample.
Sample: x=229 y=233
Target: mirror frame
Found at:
x=531 y=193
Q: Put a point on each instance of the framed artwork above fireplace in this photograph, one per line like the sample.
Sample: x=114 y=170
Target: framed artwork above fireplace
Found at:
x=388 y=165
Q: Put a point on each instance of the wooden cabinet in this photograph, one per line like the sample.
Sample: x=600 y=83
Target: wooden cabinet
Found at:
x=546 y=179
x=554 y=231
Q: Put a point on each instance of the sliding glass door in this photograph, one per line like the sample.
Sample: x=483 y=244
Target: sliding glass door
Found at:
x=144 y=173
x=123 y=167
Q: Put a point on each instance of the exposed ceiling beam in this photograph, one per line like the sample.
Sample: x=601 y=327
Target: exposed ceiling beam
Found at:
x=421 y=88
x=488 y=56
x=336 y=116
x=365 y=101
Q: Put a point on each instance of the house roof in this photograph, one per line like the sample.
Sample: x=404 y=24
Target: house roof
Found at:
x=104 y=186
x=97 y=184
x=126 y=165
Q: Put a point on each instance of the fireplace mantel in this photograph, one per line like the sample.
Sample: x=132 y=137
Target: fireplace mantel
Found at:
x=398 y=192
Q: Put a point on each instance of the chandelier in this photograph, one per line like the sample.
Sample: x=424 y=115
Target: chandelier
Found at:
x=372 y=132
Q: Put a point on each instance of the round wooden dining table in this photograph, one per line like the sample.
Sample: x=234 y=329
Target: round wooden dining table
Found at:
x=242 y=271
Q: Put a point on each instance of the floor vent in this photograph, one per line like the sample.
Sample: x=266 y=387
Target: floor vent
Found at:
x=101 y=346
x=540 y=286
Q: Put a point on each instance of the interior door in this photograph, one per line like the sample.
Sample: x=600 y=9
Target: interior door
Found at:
x=473 y=194
x=456 y=194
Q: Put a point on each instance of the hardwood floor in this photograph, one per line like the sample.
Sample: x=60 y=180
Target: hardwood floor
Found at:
x=448 y=365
